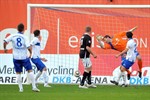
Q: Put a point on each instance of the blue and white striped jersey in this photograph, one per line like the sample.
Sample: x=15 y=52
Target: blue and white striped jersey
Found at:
x=35 y=43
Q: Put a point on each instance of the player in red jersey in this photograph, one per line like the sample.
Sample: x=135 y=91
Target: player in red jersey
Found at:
x=118 y=42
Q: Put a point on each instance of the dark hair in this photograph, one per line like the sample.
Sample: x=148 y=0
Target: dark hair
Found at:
x=107 y=36
x=88 y=29
x=129 y=34
x=36 y=33
x=20 y=27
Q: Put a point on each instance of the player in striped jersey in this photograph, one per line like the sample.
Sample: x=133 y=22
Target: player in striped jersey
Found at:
x=20 y=58
x=37 y=60
x=129 y=60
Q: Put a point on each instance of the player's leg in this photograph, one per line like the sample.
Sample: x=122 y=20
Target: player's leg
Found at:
x=123 y=57
x=89 y=83
x=118 y=76
x=45 y=76
x=85 y=73
x=42 y=71
x=39 y=73
x=89 y=77
x=35 y=61
x=19 y=80
x=140 y=65
x=89 y=69
x=125 y=66
x=28 y=67
x=121 y=73
x=124 y=76
x=37 y=76
x=18 y=69
x=128 y=74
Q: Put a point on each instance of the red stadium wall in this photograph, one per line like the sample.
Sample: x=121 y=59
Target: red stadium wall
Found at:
x=14 y=11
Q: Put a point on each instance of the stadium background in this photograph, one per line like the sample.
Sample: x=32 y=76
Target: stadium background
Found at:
x=14 y=12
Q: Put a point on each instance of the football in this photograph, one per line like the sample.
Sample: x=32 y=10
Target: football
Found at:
x=77 y=73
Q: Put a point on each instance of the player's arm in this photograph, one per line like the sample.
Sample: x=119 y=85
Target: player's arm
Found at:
x=90 y=51
x=4 y=46
x=30 y=51
x=133 y=29
x=43 y=59
x=6 y=41
x=124 y=33
x=102 y=44
x=99 y=39
x=29 y=46
x=121 y=53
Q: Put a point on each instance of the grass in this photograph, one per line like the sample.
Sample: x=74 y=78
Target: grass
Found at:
x=72 y=92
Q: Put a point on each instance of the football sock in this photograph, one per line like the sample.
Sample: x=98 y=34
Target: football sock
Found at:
x=124 y=77
x=45 y=77
x=140 y=65
x=89 y=77
x=31 y=75
x=38 y=75
x=85 y=74
x=119 y=75
x=19 y=81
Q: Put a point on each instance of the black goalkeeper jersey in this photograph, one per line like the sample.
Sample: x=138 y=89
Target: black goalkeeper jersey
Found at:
x=85 y=41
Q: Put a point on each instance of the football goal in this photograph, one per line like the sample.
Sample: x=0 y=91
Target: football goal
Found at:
x=62 y=26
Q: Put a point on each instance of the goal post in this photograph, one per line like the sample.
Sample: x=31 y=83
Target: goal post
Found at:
x=62 y=26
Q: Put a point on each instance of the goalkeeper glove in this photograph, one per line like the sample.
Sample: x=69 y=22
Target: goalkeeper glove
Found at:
x=99 y=37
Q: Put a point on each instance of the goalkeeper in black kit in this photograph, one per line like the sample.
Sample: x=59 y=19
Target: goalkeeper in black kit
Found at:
x=85 y=51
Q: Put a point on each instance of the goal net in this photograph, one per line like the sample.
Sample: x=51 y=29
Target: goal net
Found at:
x=62 y=27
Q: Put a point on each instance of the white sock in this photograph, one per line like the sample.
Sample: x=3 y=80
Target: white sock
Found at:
x=37 y=76
x=45 y=77
x=28 y=79
x=115 y=73
x=31 y=75
x=119 y=75
x=19 y=81
x=124 y=77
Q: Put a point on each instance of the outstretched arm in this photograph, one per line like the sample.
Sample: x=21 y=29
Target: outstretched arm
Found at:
x=134 y=28
x=99 y=39
x=124 y=51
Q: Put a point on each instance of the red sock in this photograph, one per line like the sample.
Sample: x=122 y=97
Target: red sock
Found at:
x=140 y=65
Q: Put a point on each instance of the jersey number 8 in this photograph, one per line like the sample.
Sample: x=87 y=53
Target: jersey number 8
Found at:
x=19 y=42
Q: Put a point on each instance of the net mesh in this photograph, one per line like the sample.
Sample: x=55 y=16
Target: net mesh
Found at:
x=70 y=24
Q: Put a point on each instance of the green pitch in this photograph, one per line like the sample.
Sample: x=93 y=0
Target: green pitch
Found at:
x=72 y=92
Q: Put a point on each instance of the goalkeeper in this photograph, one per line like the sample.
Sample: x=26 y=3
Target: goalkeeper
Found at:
x=117 y=42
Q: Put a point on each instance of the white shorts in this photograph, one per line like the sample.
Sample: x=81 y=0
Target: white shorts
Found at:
x=86 y=62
